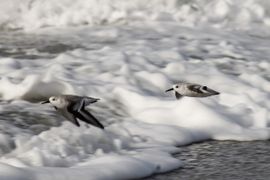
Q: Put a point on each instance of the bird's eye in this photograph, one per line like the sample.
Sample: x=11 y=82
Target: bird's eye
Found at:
x=204 y=88
x=53 y=99
x=176 y=86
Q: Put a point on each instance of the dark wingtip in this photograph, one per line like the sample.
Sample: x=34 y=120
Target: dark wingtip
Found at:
x=99 y=125
x=215 y=93
x=169 y=90
x=93 y=100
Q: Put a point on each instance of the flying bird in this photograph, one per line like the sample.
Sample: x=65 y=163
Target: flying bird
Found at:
x=72 y=107
x=191 y=90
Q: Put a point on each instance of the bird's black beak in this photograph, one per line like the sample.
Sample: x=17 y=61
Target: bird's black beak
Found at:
x=45 y=102
x=169 y=90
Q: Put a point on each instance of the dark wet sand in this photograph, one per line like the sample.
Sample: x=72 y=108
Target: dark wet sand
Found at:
x=222 y=160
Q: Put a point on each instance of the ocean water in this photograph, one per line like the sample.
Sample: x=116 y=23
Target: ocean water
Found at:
x=127 y=53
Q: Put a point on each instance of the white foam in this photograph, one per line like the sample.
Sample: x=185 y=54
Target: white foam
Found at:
x=32 y=88
x=31 y=15
x=129 y=68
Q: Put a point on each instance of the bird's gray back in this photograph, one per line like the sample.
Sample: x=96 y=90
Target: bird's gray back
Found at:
x=73 y=99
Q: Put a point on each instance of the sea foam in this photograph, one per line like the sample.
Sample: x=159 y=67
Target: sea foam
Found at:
x=31 y=15
x=129 y=68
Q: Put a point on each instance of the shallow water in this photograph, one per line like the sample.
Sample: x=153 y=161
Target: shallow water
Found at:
x=222 y=160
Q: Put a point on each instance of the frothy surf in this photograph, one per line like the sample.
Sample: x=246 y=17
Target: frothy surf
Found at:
x=34 y=14
x=129 y=68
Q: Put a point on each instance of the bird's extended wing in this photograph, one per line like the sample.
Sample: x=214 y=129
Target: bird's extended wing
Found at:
x=69 y=116
x=195 y=88
x=88 y=118
x=82 y=102
x=77 y=109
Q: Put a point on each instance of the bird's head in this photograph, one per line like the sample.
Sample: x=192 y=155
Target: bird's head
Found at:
x=175 y=87
x=55 y=101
